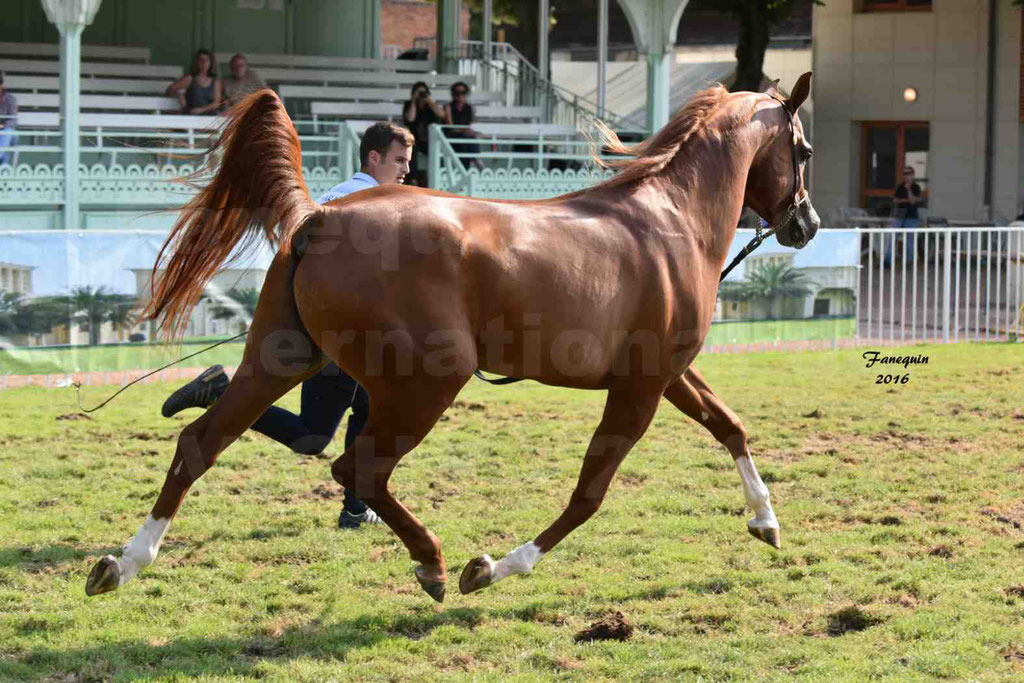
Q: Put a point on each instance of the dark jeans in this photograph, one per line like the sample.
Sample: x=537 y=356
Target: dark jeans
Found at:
x=325 y=398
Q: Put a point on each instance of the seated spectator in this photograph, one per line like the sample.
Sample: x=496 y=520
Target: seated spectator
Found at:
x=242 y=81
x=198 y=91
x=460 y=113
x=8 y=121
x=418 y=113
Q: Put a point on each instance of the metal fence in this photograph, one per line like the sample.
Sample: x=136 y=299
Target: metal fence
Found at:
x=940 y=284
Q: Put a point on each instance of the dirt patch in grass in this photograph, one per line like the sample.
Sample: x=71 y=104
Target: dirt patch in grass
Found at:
x=1015 y=656
x=610 y=627
x=469 y=405
x=848 y=619
x=943 y=551
x=1015 y=591
x=326 y=492
x=1014 y=517
x=150 y=436
x=74 y=416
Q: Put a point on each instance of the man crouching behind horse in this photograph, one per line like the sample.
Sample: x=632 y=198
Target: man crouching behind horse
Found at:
x=409 y=290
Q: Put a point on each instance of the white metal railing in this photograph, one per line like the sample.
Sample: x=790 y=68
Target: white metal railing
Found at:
x=940 y=284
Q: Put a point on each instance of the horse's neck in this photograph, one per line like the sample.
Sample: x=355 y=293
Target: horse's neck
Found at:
x=708 y=185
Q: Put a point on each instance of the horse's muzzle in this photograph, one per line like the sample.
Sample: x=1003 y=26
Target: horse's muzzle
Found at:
x=799 y=225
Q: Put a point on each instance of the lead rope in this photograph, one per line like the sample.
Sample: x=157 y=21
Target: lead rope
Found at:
x=78 y=385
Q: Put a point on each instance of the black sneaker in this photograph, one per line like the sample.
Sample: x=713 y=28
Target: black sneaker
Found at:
x=202 y=392
x=348 y=520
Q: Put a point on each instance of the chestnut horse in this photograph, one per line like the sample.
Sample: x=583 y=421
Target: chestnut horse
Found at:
x=410 y=290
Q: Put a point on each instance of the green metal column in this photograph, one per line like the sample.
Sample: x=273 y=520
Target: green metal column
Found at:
x=70 y=17
x=448 y=24
x=654 y=24
x=659 y=65
x=70 y=83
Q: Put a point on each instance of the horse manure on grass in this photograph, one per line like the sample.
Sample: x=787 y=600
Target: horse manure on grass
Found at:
x=851 y=618
x=610 y=627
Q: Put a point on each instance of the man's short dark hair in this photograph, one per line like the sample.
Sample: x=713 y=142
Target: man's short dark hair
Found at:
x=459 y=84
x=378 y=138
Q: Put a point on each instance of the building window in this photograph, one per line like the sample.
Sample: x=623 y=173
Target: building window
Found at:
x=895 y=5
x=886 y=148
x=821 y=307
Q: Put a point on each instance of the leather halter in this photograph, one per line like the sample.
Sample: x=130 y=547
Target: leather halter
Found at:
x=797 y=199
x=789 y=213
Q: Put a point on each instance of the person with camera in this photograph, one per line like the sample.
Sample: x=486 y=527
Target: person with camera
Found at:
x=418 y=113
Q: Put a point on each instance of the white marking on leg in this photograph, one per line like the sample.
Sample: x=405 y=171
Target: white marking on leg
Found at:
x=142 y=549
x=704 y=416
x=756 y=494
x=519 y=561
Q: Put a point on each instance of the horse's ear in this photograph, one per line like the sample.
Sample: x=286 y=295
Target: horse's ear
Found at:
x=773 y=88
x=800 y=91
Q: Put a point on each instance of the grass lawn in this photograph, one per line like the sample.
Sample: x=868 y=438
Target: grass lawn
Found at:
x=40 y=361
x=902 y=512
x=761 y=331
x=36 y=361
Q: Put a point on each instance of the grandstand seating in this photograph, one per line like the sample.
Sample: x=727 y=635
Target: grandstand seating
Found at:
x=19 y=83
x=322 y=61
x=323 y=93
x=393 y=110
x=117 y=52
x=132 y=103
x=120 y=69
x=128 y=123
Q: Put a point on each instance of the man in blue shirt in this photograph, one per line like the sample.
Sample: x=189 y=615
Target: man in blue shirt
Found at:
x=384 y=155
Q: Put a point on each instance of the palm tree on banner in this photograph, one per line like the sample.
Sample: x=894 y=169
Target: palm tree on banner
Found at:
x=11 y=304
x=238 y=303
x=93 y=307
x=22 y=315
x=771 y=283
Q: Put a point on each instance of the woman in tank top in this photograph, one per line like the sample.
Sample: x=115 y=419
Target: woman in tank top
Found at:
x=199 y=91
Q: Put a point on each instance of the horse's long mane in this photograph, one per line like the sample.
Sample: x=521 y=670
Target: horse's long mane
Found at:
x=651 y=156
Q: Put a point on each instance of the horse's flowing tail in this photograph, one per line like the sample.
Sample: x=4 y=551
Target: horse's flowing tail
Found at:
x=257 y=188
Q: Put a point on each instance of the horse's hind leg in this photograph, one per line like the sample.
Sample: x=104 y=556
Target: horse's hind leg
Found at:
x=278 y=355
x=691 y=394
x=627 y=413
x=402 y=412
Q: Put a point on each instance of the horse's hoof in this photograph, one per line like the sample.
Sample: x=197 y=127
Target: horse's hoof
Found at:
x=766 y=534
x=104 y=577
x=435 y=589
x=479 y=573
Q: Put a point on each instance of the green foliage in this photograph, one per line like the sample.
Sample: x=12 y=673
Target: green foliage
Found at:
x=899 y=508
x=769 y=283
x=83 y=306
x=241 y=303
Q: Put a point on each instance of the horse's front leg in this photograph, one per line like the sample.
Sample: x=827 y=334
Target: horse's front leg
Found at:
x=692 y=395
x=627 y=413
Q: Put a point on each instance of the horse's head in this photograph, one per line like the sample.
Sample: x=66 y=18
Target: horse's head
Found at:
x=775 y=184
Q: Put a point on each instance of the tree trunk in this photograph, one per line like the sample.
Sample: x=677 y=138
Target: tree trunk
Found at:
x=755 y=32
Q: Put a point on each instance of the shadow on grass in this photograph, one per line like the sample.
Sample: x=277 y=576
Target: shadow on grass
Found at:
x=237 y=656
x=54 y=555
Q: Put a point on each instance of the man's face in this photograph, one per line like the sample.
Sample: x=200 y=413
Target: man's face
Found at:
x=238 y=67
x=908 y=175
x=393 y=166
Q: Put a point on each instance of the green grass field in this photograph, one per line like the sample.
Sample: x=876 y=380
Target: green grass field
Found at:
x=29 y=361
x=902 y=511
